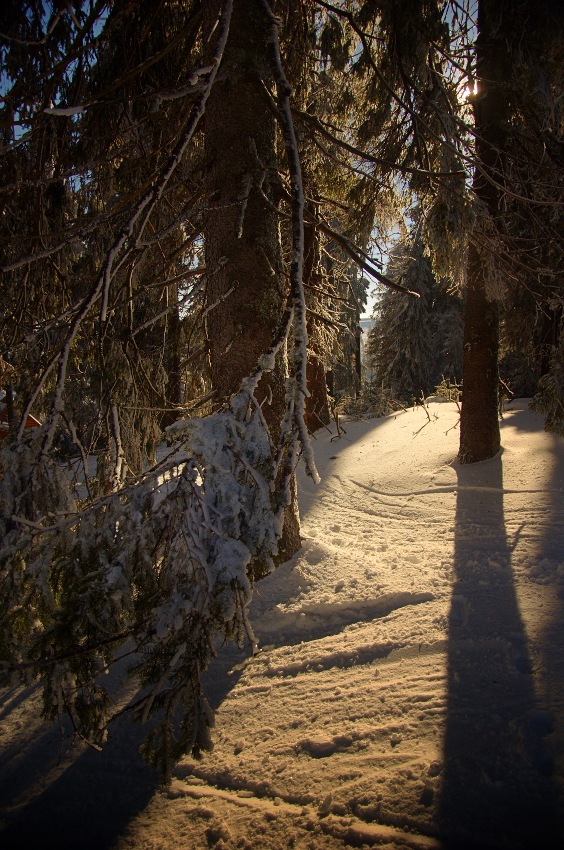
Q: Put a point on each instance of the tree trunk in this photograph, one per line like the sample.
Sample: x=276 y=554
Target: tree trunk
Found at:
x=245 y=278
x=479 y=421
x=317 y=414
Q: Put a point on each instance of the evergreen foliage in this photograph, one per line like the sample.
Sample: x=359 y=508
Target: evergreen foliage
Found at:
x=415 y=342
x=550 y=397
x=112 y=320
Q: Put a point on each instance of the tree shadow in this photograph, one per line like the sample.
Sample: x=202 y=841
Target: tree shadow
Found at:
x=497 y=789
x=548 y=584
x=54 y=793
x=52 y=798
x=551 y=553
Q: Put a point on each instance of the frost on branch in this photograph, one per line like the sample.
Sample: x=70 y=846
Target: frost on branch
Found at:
x=160 y=570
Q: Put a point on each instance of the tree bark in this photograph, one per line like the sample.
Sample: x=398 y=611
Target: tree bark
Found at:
x=245 y=282
x=479 y=421
x=317 y=413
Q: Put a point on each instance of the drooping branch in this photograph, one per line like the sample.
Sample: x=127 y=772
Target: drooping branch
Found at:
x=318 y=125
x=361 y=258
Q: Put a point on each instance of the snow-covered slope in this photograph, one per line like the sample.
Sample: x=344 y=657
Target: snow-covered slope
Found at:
x=409 y=691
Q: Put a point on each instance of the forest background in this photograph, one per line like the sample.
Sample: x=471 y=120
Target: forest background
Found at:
x=195 y=196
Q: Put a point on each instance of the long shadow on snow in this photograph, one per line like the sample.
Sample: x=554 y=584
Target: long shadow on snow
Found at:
x=552 y=663
x=550 y=531
x=88 y=805
x=497 y=789
x=52 y=797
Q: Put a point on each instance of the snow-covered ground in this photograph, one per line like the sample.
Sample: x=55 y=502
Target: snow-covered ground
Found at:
x=409 y=691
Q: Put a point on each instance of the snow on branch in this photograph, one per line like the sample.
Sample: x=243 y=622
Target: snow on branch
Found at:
x=166 y=563
x=160 y=566
x=192 y=86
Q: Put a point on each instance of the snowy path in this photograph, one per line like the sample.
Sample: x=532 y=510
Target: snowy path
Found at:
x=410 y=688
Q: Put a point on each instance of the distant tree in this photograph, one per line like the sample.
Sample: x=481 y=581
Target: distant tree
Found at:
x=550 y=396
x=415 y=341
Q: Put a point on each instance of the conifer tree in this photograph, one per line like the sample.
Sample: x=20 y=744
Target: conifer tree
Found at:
x=152 y=248
x=511 y=40
x=414 y=343
x=162 y=555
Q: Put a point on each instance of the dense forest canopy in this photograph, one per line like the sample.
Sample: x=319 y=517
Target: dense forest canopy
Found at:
x=194 y=196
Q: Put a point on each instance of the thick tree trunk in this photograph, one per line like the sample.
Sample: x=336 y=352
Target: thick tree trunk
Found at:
x=479 y=421
x=242 y=241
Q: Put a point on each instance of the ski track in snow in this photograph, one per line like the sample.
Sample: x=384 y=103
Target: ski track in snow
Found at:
x=409 y=688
